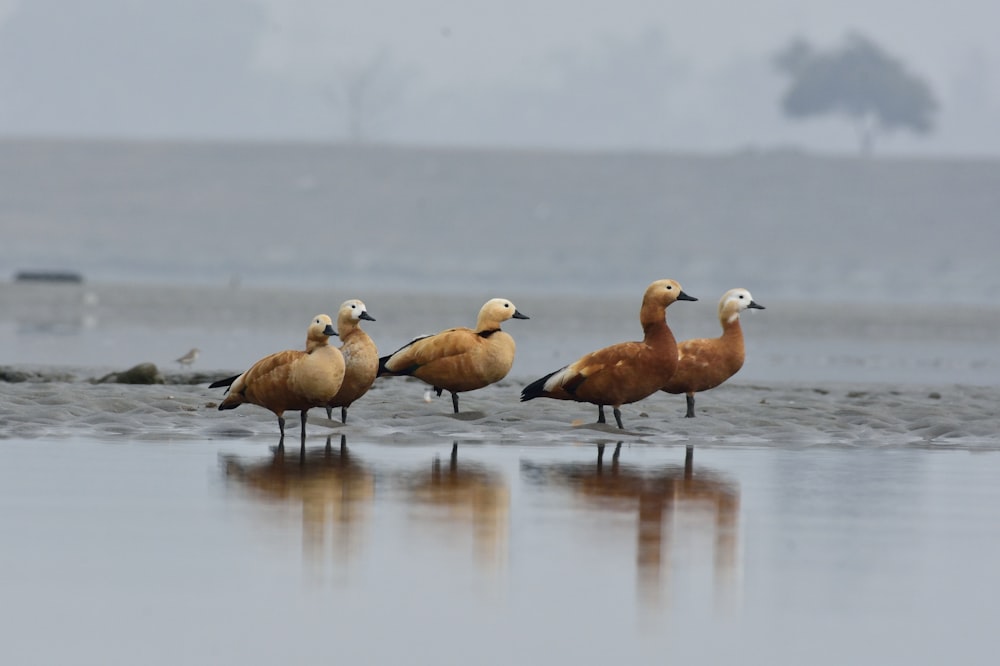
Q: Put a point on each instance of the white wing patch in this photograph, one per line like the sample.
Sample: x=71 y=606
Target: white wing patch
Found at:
x=557 y=380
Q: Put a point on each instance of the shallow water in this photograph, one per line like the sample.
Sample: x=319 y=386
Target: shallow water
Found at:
x=100 y=327
x=784 y=225
x=226 y=551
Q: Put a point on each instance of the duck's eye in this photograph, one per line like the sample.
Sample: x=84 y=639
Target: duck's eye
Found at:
x=506 y=305
x=355 y=307
x=741 y=296
x=669 y=287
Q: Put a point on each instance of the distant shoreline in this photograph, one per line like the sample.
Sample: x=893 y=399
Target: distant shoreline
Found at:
x=47 y=143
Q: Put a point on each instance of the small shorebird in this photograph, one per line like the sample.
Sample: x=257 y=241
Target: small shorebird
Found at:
x=188 y=358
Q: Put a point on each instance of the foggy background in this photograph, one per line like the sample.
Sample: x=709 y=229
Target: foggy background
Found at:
x=307 y=142
x=630 y=74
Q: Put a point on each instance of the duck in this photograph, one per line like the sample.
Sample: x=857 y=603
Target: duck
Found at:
x=360 y=357
x=291 y=379
x=704 y=363
x=622 y=373
x=460 y=359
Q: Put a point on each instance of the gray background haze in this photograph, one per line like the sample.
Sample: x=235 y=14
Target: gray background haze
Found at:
x=631 y=74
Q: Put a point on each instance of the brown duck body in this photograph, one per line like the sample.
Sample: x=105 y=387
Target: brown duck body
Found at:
x=704 y=363
x=622 y=373
x=360 y=357
x=459 y=359
x=291 y=380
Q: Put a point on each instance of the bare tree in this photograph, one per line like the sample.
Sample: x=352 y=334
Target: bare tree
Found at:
x=365 y=90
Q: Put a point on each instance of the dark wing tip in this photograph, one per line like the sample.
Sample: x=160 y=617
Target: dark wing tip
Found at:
x=536 y=389
x=228 y=381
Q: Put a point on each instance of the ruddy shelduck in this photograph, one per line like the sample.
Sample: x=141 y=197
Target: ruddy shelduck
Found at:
x=459 y=359
x=360 y=357
x=623 y=373
x=704 y=363
x=291 y=380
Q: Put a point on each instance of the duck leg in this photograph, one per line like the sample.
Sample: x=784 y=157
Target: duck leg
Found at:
x=454 y=401
x=618 y=418
x=600 y=414
x=690 y=403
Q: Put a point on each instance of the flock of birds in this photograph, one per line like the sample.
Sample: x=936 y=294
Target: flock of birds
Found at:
x=462 y=359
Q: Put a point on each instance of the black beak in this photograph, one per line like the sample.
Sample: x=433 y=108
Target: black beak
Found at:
x=518 y=315
x=684 y=297
x=756 y=306
x=329 y=330
x=365 y=315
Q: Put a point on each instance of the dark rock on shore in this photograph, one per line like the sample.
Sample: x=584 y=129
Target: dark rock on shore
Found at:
x=143 y=373
x=14 y=375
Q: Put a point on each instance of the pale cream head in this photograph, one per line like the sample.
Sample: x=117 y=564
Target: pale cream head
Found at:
x=497 y=310
x=353 y=310
x=320 y=330
x=735 y=301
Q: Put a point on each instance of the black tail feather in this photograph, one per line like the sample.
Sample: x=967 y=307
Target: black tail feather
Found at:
x=536 y=389
x=228 y=381
x=382 y=370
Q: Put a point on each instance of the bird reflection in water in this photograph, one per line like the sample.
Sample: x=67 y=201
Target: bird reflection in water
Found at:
x=678 y=506
x=466 y=495
x=331 y=485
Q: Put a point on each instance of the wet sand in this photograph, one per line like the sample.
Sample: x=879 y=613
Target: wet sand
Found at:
x=397 y=410
x=855 y=374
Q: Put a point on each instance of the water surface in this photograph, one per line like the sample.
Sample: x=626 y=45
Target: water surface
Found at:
x=233 y=552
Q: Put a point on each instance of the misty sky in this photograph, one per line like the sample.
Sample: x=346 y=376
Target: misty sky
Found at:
x=648 y=74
